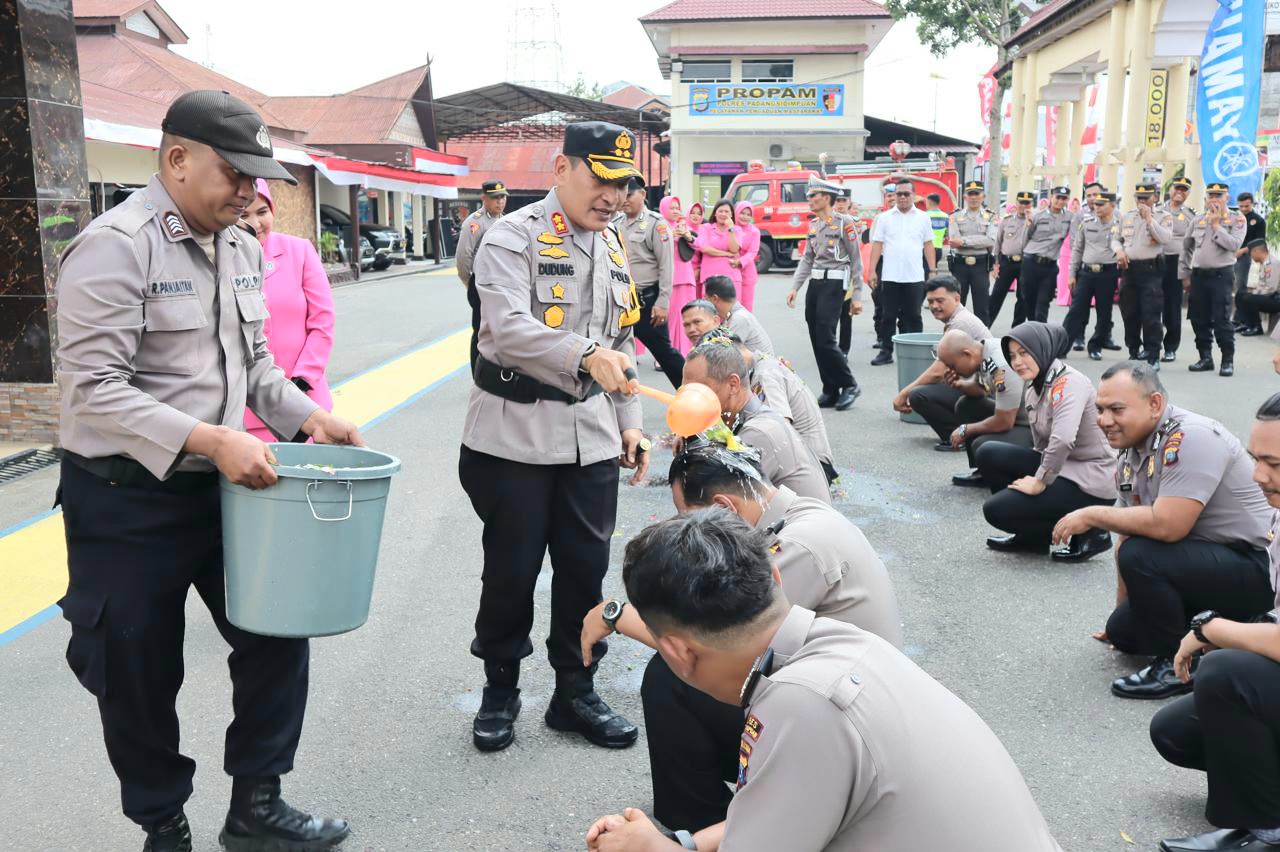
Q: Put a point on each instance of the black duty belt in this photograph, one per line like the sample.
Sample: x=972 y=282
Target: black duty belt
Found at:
x=1040 y=258
x=972 y=259
x=1147 y=261
x=1012 y=258
x=1098 y=268
x=516 y=387
x=121 y=470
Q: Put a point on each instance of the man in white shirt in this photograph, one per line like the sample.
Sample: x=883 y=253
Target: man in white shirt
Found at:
x=903 y=237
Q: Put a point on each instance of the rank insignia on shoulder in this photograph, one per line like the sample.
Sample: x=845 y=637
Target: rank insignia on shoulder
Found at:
x=475 y=226
x=174 y=225
x=549 y=239
x=558 y=223
x=553 y=251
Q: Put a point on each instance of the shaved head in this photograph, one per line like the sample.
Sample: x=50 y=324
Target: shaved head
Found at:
x=960 y=352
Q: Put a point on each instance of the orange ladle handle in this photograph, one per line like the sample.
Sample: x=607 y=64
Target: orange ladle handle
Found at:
x=661 y=396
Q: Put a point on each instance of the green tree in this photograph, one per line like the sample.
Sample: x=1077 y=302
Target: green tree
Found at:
x=944 y=24
x=1271 y=197
x=581 y=89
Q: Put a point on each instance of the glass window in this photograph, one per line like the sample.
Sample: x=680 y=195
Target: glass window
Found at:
x=793 y=192
x=1271 y=60
x=752 y=193
x=706 y=71
x=768 y=70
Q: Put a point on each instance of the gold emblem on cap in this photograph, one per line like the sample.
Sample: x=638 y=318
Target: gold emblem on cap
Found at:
x=623 y=144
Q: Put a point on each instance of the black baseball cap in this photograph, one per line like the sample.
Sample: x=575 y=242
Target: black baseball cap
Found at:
x=609 y=149
x=230 y=127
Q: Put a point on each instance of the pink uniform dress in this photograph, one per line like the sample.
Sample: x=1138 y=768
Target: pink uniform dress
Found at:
x=697 y=255
x=710 y=236
x=748 y=248
x=682 y=283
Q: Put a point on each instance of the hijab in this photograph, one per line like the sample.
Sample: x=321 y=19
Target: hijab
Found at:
x=1045 y=344
x=664 y=207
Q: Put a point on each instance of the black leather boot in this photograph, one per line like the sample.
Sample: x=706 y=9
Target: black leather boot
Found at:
x=1204 y=365
x=1228 y=367
x=1084 y=546
x=171 y=835
x=575 y=707
x=1154 y=682
x=495 y=725
x=261 y=821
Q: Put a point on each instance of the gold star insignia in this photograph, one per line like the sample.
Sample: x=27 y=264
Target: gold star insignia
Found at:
x=557 y=291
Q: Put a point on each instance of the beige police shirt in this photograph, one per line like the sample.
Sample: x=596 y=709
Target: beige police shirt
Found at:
x=849 y=746
x=1192 y=456
x=153 y=338
x=749 y=330
x=1064 y=429
x=1091 y=243
x=785 y=393
x=1047 y=231
x=967 y=321
x=1180 y=219
x=785 y=458
x=1207 y=247
x=547 y=291
x=1268 y=276
x=1273 y=555
x=828 y=566
x=1011 y=236
x=972 y=232
x=1143 y=239
x=1003 y=386
x=832 y=250
x=648 y=239
x=474 y=227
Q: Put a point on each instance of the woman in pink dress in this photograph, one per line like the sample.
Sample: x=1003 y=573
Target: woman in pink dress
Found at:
x=695 y=227
x=719 y=241
x=748 y=248
x=299 y=328
x=682 y=284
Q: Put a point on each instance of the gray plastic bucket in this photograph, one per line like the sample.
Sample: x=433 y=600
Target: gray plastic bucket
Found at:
x=913 y=353
x=300 y=555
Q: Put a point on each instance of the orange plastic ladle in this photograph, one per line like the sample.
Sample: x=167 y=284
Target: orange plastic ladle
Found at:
x=692 y=409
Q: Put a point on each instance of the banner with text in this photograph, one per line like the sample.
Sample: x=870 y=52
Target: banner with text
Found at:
x=822 y=101
x=1157 y=107
x=1228 y=89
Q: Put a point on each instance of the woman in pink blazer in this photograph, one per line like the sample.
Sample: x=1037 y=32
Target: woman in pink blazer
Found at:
x=682 y=284
x=719 y=240
x=694 y=221
x=299 y=328
x=748 y=248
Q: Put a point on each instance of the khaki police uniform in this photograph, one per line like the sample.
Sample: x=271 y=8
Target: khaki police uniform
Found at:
x=784 y=456
x=472 y=234
x=832 y=262
x=1255 y=229
x=1142 y=288
x=967 y=321
x=937 y=402
x=1208 y=258
x=1011 y=241
x=649 y=248
x=842 y=747
x=784 y=392
x=746 y=325
x=1096 y=272
x=1038 y=280
x=973 y=236
x=1221 y=564
x=1264 y=298
x=1180 y=219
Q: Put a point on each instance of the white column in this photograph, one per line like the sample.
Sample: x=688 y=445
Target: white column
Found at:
x=1031 y=124
x=1079 y=108
x=1013 y=126
x=1139 y=88
x=419 y=222
x=1062 y=145
x=1175 y=124
x=1111 y=124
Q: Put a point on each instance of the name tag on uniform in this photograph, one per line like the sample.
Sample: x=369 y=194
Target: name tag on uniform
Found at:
x=245 y=283
x=171 y=287
x=556 y=270
x=620 y=276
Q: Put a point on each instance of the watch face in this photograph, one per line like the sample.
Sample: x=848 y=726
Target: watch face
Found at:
x=611 y=610
x=1201 y=617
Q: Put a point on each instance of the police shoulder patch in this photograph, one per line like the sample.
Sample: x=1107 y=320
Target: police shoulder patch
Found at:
x=1172 y=447
x=1059 y=387
x=174 y=226
x=475 y=226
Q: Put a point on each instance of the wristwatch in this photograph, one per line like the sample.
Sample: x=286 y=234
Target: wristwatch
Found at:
x=611 y=613
x=582 y=364
x=1199 y=620
x=964 y=430
x=685 y=839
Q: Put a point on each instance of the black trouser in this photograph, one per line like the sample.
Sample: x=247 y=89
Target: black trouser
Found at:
x=1099 y=287
x=902 y=300
x=1010 y=270
x=473 y=299
x=1033 y=518
x=975 y=278
x=846 y=326
x=132 y=556
x=972 y=409
x=656 y=338
x=1172 y=304
x=1229 y=728
x=1241 y=276
x=1141 y=306
x=877 y=301
x=693 y=749
x=936 y=403
x=528 y=509
x=822 y=313
x=1250 y=307
x=1170 y=582
x=1209 y=307
x=1037 y=284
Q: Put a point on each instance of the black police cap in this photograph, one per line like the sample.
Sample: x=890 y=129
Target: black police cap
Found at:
x=230 y=127
x=1108 y=196
x=609 y=149
x=1062 y=191
x=493 y=187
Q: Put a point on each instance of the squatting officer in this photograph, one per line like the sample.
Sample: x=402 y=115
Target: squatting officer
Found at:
x=160 y=314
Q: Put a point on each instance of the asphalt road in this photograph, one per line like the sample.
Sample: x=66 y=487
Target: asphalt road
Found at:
x=387 y=740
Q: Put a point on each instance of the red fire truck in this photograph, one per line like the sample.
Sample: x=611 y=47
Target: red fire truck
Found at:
x=782 y=210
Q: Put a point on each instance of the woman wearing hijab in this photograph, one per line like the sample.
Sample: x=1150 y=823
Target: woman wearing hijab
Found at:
x=748 y=248
x=299 y=328
x=682 y=280
x=695 y=223
x=1070 y=466
x=719 y=241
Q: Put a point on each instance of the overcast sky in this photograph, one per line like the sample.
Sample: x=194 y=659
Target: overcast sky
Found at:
x=319 y=47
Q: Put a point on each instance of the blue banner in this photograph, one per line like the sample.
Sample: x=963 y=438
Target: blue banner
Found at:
x=1227 y=93
x=823 y=101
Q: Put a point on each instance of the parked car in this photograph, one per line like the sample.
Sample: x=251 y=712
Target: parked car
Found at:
x=384 y=239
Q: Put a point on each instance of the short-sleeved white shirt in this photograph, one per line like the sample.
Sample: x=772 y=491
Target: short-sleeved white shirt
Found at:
x=904 y=236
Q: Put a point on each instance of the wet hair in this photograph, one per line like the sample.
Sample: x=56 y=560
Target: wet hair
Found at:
x=945 y=282
x=1146 y=377
x=700 y=304
x=1269 y=410
x=723 y=202
x=720 y=286
x=705 y=469
x=723 y=358
x=707 y=572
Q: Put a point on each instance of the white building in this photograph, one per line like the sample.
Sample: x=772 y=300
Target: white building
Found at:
x=771 y=80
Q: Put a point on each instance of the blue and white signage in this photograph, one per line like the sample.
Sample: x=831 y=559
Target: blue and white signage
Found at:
x=1227 y=92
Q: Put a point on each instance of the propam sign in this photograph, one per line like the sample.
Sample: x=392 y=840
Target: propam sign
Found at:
x=824 y=100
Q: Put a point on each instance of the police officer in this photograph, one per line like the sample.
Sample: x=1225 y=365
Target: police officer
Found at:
x=1209 y=254
x=844 y=206
x=648 y=241
x=1255 y=229
x=831 y=262
x=843 y=735
x=972 y=235
x=160 y=314
x=786 y=394
x=1266 y=297
x=1193 y=525
x=1139 y=249
x=734 y=315
x=1174 y=283
x=493 y=202
x=550 y=416
x=1094 y=273
x=1011 y=240
x=1038 y=278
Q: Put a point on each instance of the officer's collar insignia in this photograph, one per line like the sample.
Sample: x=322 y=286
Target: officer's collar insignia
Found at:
x=550 y=239
x=763 y=665
x=174 y=226
x=774 y=548
x=559 y=223
x=1151 y=466
x=557 y=290
x=553 y=251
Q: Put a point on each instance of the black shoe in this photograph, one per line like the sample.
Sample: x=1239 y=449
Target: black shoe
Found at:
x=1204 y=365
x=827 y=400
x=847 y=397
x=1016 y=544
x=1153 y=682
x=1111 y=345
x=1134 y=356
x=885 y=357
x=1218 y=840
x=972 y=479
x=576 y=708
x=261 y=821
x=1078 y=345
x=1084 y=546
x=495 y=725
x=1251 y=331
x=1095 y=355
x=945 y=447
x=172 y=835
x=1169 y=356
x=1228 y=368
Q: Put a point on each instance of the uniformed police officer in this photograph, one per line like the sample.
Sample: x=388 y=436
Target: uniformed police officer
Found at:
x=971 y=233
x=844 y=205
x=1266 y=296
x=844 y=735
x=1095 y=272
x=786 y=394
x=1011 y=241
x=550 y=416
x=831 y=262
x=648 y=239
x=1139 y=249
x=160 y=314
x=493 y=202
x=1175 y=286
x=1208 y=260
x=734 y=315
x=1255 y=229
x=1038 y=278
x=1192 y=522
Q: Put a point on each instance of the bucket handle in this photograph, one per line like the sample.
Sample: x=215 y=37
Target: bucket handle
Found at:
x=315 y=483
